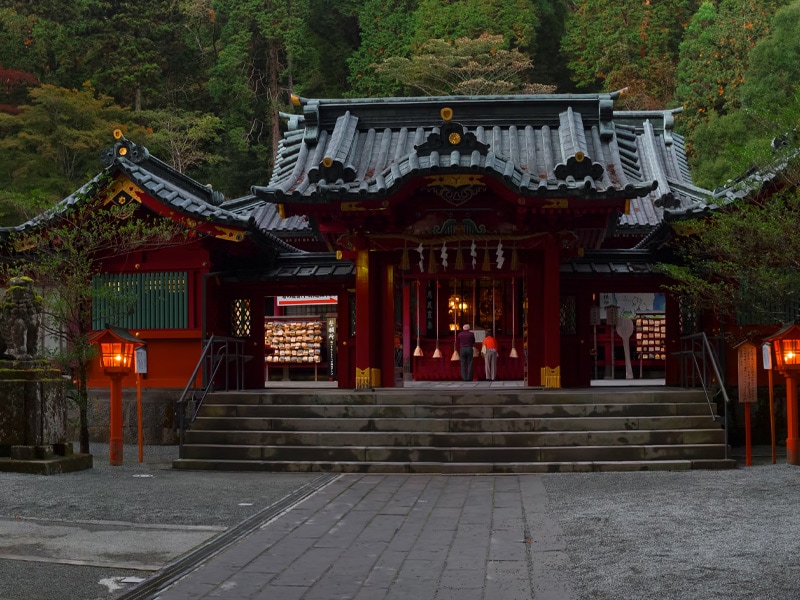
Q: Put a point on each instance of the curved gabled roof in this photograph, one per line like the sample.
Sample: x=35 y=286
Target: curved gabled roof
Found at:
x=539 y=145
x=167 y=186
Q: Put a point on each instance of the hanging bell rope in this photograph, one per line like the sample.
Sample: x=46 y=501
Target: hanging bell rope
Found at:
x=437 y=353
x=459 y=259
x=418 y=349
x=514 y=259
x=513 y=353
x=487 y=263
x=432 y=263
x=455 y=356
x=405 y=263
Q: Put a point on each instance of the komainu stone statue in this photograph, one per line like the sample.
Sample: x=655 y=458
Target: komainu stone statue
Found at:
x=20 y=318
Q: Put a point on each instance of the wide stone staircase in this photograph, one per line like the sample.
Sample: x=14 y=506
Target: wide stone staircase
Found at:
x=456 y=431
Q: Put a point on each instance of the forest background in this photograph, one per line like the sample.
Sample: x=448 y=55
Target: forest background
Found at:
x=202 y=83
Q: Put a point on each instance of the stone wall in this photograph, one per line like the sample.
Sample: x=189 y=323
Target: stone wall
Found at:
x=157 y=416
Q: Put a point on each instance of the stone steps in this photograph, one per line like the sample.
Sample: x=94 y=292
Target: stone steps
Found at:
x=455 y=432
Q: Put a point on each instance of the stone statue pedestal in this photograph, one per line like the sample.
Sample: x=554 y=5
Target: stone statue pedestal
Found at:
x=33 y=420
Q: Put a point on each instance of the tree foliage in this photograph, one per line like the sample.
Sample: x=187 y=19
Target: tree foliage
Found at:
x=618 y=44
x=55 y=140
x=745 y=257
x=714 y=56
x=464 y=67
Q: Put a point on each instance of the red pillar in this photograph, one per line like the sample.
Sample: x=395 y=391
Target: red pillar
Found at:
x=115 y=443
x=792 y=442
x=368 y=330
x=551 y=314
x=386 y=350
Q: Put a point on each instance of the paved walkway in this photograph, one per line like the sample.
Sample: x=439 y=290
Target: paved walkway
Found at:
x=370 y=537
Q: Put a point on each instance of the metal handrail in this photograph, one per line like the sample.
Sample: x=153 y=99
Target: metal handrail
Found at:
x=216 y=352
x=697 y=347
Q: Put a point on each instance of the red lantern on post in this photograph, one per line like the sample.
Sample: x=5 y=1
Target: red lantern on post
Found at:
x=786 y=343
x=117 y=348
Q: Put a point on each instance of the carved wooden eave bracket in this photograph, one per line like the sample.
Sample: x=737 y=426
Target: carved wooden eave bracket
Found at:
x=451 y=136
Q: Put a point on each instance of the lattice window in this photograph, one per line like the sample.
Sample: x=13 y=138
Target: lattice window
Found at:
x=569 y=316
x=141 y=300
x=241 y=317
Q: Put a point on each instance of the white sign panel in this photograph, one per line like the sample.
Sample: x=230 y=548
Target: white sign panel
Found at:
x=141 y=360
x=304 y=300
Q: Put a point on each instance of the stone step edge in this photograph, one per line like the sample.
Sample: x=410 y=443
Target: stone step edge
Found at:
x=337 y=432
x=454 y=468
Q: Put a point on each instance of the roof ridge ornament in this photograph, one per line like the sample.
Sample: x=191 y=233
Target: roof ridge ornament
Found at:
x=579 y=166
x=450 y=136
x=124 y=148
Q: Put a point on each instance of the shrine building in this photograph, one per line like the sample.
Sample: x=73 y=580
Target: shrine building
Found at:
x=389 y=223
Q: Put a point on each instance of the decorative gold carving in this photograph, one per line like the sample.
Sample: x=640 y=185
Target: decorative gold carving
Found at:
x=361 y=206
x=557 y=203
x=226 y=233
x=368 y=378
x=123 y=191
x=454 y=138
x=551 y=378
x=454 y=180
x=455 y=189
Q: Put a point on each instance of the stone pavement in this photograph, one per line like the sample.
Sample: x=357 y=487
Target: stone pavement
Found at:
x=366 y=537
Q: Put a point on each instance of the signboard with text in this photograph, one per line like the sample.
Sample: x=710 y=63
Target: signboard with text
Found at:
x=748 y=382
x=305 y=300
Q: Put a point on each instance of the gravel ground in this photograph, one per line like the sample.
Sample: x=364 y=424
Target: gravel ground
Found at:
x=704 y=535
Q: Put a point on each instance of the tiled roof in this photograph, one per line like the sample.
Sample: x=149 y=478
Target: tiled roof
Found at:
x=550 y=145
x=174 y=190
x=753 y=181
x=293 y=268
x=616 y=262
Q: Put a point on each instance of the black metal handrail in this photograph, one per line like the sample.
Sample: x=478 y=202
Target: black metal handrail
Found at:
x=700 y=365
x=217 y=352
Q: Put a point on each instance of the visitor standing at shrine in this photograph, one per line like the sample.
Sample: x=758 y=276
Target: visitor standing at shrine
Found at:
x=490 y=357
x=466 y=343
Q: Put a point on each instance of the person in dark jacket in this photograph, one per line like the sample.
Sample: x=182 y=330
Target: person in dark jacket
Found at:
x=466 y=343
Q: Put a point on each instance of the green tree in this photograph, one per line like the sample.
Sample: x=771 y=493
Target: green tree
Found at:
x=616 y=44
x=56 y=139
x=772 y=79
x=464 y=67
x=62 y=256
x=714 y=56
x=721 y=135
x=515 y=20
x=184 y=139
x=745 y=256
x=386 y=30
